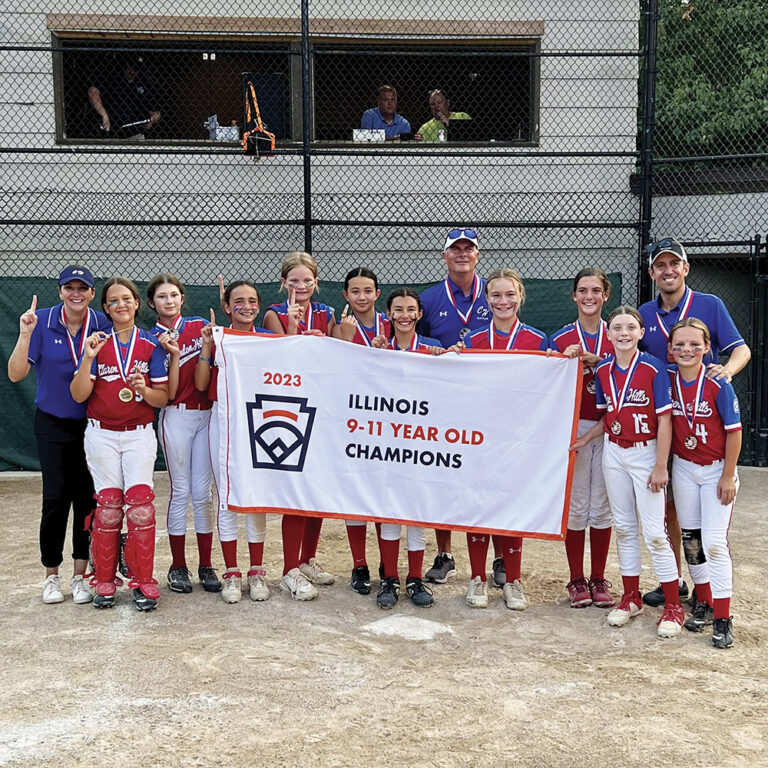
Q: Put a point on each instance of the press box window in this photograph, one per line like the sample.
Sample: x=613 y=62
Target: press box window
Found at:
x=185 y=82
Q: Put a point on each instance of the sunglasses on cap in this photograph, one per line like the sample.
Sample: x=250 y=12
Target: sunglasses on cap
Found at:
x=667 y=245
x=458 y=234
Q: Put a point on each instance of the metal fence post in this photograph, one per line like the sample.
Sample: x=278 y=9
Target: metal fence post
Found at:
x=306 y=125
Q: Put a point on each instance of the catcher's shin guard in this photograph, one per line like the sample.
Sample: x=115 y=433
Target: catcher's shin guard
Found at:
x=105 y=538
x=140 y=545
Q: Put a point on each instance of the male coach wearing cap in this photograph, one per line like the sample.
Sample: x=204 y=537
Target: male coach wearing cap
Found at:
x=452 y=309
x=52 y=340
x=668 y=267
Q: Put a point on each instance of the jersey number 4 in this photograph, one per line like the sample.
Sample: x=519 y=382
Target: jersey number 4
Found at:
x=701 y=433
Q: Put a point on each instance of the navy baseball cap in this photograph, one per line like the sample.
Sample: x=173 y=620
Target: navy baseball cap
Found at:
x=667 y=245
x=457 y=234
x=76 y=272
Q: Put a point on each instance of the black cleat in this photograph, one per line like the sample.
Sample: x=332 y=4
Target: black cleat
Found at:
x=103 y=601
x=361 y=580
x=208 y=578
x=389 y=592
x=419 y=594
x=180 y=580
x=722 y=634
x=701 y=616
x=143 y=603
x=499 y=573
x=655 y=598
x=442 y=569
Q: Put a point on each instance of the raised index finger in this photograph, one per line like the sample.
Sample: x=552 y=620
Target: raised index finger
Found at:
x=33 y=305
x=291 y=295
x=344 y=311
x=221 y=286
x=213 y=317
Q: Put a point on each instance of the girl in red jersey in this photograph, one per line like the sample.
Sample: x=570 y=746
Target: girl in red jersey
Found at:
x=706 y=441
x=634 y=389
x=505 y=293
x=300 y=315
x=124 y=377
x=183 y=431
x=240 y=301
x=404 y=311
x=362 y=326
x=588 y=340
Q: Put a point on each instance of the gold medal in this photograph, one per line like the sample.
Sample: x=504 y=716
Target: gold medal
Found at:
x=690 y=442
x=591 y=387
x=125 y=395
x=616 y=428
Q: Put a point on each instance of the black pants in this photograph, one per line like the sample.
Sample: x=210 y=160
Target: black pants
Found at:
x=66 y=481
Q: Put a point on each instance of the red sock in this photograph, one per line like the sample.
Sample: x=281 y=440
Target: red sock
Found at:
x=671 y=592
x=599 y=546
x=356 y=535
x=477 y=544
x=512 y=552
x=631 y=585
x=722 y=607
x=415 y=563
x=229 y=549
x=704 y=593
x=293 y=532
x=574 y=551
x=256 y=551
x=204 y=545
x=443 y=539
x=312 y=528
x=498 y=549
x=389 y=553
x=178 y=556
x=378 y=541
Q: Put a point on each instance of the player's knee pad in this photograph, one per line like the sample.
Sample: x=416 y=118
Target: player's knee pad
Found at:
x=140 y=511
x=109 y=509
x=692 y=546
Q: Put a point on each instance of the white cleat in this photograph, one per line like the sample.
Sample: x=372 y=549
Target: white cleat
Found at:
x=316 y=573
x=477 y=593
x=232 y=590
x=257 y=586
x=299 y=586
x=514 y=595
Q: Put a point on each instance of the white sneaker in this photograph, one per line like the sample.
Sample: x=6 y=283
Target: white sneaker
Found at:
x=257 y=585
x=298 y=585
x=232 y=590
x=316 y=573
x=514 y=595
x=627 y=609
x=52 y=589
x=80 y=591
x=477 y=594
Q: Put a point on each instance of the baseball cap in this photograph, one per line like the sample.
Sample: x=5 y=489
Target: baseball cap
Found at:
x=76 y=272
x=667 y=245
x=460 y=234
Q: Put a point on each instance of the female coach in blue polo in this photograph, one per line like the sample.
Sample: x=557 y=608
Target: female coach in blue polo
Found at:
x=52 y=340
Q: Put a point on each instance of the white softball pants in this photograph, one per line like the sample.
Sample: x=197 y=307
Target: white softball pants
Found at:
x=626 y=472
x=416 y=537
x=589 y=499
x=699 y=508
x=184 y=437
x=120 y=459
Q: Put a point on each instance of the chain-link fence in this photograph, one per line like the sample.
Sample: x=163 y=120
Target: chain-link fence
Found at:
x=562 y=131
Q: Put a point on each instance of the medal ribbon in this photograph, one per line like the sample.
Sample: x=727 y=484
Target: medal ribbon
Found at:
x=475 y=293
x=512 y=333
x=175 y=327
x=86 y=327
x=683 y=313
x=584 y=340
x=376 y=329
x=410 y=348
x=619 y=401
x=124 y=366
x=697 y=397
x=308 y=324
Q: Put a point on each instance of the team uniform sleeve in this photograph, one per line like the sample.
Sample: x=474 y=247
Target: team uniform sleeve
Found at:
x=544 y=346
x=728 y=336
x=158 y=371
x=728 y=407
x=661 y=399
x=35 y=342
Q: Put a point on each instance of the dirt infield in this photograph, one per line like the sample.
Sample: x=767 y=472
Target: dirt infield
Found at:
x=337 y=682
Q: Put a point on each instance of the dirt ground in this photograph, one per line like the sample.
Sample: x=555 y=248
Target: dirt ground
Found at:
x=338 y=682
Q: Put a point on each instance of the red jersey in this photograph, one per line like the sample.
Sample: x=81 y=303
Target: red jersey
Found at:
x=597 y=344
x=633 y=397
x=522 y=337
x=701 y=438
x=318 y=317
x=381 y=325
x=190 y=343
x=142 y=354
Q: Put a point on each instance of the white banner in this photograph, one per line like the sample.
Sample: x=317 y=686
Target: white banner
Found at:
x=472 y=441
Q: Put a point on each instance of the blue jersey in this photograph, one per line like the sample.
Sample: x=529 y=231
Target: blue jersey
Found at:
x=55 y=356
x=704 y=306
x=449 y=315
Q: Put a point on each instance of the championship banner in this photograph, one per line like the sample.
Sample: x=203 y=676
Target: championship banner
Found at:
x=473 y=441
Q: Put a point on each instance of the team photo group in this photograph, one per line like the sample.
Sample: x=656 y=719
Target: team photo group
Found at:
x=659 y=435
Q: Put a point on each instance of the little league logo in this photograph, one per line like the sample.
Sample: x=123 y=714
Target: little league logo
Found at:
x=280 y=428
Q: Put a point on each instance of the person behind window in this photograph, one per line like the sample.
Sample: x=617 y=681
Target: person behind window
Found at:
x=384 y=116
x=440 y=107
x=124 y=103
